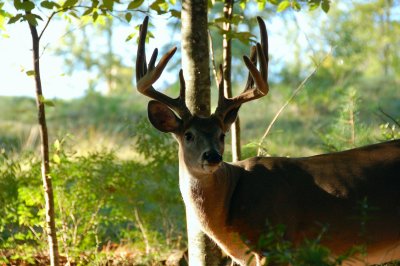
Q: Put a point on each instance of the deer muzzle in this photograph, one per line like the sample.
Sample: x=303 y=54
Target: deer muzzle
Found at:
x=212 y=157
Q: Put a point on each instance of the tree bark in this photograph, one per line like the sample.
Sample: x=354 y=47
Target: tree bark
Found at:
x=110 y=62
x=46 y=178
x=195 y=56
x=196 y=70
x=227 y=67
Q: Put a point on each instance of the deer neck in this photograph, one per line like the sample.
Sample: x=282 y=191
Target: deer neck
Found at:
x=208 y=195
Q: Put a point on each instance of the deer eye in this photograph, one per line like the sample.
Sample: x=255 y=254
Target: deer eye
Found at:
x=189 y=136
x=222 y=137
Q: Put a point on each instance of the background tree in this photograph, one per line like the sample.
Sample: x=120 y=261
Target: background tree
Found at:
x=96 y=55
x=227 y=67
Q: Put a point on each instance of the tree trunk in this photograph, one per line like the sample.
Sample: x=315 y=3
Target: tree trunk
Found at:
x=195 y=56
x=196 y=70
x=110 y=70
x=227 y=67
x=47 y=184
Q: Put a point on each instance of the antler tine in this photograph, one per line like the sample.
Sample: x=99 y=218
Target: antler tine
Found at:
x=141 y=67
x=257 y=82
x=253 y=59
x=221 y=89
x=146 y=76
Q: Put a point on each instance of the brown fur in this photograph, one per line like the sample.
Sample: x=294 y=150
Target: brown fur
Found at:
x=235 y=202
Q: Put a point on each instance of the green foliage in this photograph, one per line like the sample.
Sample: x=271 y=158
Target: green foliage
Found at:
x=96 y=196
x=97 y=193
x=3 y=16
x=29 y=10
x=343 y=133
x=49 y=4
x=20 y=201
x=135 y=4
x=278 y=250
x=237 y=17
x=390 y=131
x=282 y=5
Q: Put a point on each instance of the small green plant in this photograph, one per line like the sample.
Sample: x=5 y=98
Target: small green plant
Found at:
x=390 y=131
x=277 y=249
x=347 y=132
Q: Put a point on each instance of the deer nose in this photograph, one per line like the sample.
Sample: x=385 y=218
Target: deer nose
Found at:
x=212 y=157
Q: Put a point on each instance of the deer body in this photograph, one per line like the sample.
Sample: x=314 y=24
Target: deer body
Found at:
x=353 y=195
x=235 y=202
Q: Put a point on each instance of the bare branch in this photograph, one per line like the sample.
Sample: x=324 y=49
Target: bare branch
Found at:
x=295 y=92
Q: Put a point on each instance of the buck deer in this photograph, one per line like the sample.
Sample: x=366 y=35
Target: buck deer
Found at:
x=233 y=202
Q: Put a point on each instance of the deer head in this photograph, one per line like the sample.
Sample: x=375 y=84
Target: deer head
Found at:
x=201 y=139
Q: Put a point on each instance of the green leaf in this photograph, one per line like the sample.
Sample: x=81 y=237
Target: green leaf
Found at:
x=24 y=5
x=49 y=103
x=313 y=5
x=296 y=6
x=175 y=13
x=261 y=4
x=70 y=3
x=326 y=4
x=32 y=19
x=237 y=19
x=57 y=145
x=45 y=101
x=242 y=5
x=130 y=36
x=160 y=6
x=221 y=20
x=88 y=11
x=28 y=6
x=95 y=16
x=18 y=4
x=243 y=36
x=73 y=14
x=56 y=159
x=283 y=5
x=135 y=4
x=109 y=4
x=95 y=3
x=49 y=4
x=128 y=17
x=15 y=18
x=3 y=16
x=30 y=73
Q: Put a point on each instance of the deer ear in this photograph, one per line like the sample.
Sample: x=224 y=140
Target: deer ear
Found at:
x=163 y=118
x=230 y=117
